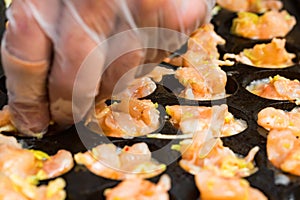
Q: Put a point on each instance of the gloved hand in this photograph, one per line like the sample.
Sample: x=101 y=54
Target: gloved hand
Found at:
x=47 y=43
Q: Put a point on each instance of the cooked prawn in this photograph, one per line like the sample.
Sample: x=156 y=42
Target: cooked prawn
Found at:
x=202 y=83
x=158 y=72
x=204 y=151
x=271 y=24
x=201 y=48
x=277 y=87
x=58 y=164
x=137 y=188
x=283 y=149
x=270 y=55
x=283 y=145
x=190 y=119
x=272 y=118
x=5 y=120
x=108 y=161
x=14 y=187
x=26 y=163
x=221 y=157
x=139 y=88
x=129 y=118
x=213 y=185
x=21 y=169
x=257 y=6
x=203 y=41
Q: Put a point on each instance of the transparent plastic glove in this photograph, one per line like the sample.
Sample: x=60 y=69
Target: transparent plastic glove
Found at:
x=48 y=42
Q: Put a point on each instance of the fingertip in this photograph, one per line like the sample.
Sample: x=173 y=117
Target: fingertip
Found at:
x=27 y=121
x=193 y=13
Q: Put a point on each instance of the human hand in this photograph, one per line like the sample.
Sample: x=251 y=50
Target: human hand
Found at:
x=47 y=43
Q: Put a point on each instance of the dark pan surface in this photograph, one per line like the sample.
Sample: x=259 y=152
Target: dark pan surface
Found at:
x=83 y=185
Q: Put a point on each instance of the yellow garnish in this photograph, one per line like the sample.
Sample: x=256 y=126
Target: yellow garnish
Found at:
x=176 y=147
x=228 y=118
x=275 y=78
x=7 y=3
x=40 y=155
x=216 y=10
x=296 y=156
x=244 y=182
x=287 y=17
x=187 y=115
x=231 y=166
x=287 y=145
x=149 y=167
x=168 y=111
x=24 y=187
x=41 y=175
x=55 y=187
x=210 y=184
x=39 y=163
x=249 y=16
x=32 y=180
x=243 y=20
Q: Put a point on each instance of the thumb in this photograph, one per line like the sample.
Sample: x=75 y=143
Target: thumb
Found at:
x=25 y=55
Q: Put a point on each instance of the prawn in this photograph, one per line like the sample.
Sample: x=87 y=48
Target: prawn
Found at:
x=108 y=161
x=137 y=188
x=221 y=157
x=250 y=25
x=283 y=145
x=257 y=6
x=22 y=169
x=277 y=88
x=5 y=120
x=272 y=118
x=283 y=149
x=270 y=55
x=214 y=185
x=194 y=160
x=190 y=119
x=128 y=118
x=138 y=88
x=14 y=187
x=203 y=82
x=201 y=48
x=32 y=163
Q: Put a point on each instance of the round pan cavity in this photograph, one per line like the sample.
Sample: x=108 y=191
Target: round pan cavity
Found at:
x=264 y=75
x=290 y=48
x=237 y=114
x=174 y=87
